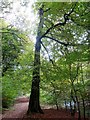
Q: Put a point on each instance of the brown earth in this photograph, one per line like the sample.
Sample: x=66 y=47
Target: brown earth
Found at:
x=18 y=111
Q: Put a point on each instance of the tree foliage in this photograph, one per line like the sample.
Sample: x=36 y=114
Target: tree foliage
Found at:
x=16 y=48
x=65 y=38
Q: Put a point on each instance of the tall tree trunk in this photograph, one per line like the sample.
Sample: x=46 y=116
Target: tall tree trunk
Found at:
x=34 y=103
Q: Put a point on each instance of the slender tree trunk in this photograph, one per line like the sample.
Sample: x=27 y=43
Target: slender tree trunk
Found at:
x=84 y=108
x=34 y=103
x=54 y=91
x=77 y=101
x=83 y=97
x=73 y=98
x=66 y=105
x=75 y=106
x=78 y=106
x=79 y=112
x=56 y=103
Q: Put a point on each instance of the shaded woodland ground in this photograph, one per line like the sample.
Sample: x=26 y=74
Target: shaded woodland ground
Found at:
x=18 y=111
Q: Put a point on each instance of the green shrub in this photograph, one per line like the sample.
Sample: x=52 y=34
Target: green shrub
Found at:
x=9 y=91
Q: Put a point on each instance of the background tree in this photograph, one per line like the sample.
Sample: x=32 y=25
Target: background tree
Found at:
x=12 y=44
x=15 y=50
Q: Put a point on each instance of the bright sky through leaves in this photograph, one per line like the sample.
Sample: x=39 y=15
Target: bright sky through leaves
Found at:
x=21 y=15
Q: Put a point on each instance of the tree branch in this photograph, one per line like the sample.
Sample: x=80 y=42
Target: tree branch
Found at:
x=65 y=44
x=13 y=33
x=47 y=10
x=47 y=53
x=45 y=49
x=60 y=24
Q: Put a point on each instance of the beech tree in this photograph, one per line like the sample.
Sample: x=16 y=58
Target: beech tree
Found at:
x=55 y=18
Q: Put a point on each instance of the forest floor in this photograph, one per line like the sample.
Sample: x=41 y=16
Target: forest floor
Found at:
x=18 y=112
